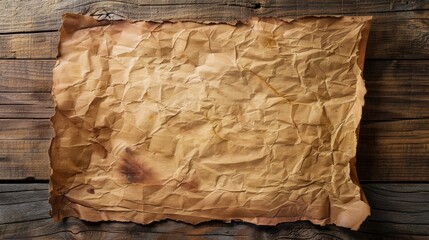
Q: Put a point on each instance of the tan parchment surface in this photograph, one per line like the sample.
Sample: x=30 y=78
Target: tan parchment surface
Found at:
x=253 y=121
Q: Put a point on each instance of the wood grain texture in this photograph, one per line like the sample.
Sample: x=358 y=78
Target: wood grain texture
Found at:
x=26 y=105
x=28 y=76
x=397 y=89
x=26 y=129
x=398 y=210
x=394 y=151
x=401 y=36
x=29 y=45
x=45 y=15
x=24 y=159
x=387 y=151
x=394 y=36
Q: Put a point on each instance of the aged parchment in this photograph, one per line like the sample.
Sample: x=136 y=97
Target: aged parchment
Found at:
x=253 y=121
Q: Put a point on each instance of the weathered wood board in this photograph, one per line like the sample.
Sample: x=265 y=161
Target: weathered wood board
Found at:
x=398 y=211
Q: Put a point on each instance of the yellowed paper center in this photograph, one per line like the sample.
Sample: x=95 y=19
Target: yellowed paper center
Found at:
x=253 y=121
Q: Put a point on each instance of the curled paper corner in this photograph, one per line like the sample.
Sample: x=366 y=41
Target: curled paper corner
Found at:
x=196 y=121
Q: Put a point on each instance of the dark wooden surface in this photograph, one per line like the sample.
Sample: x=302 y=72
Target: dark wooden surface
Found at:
x=394 y=138
x=399 y=211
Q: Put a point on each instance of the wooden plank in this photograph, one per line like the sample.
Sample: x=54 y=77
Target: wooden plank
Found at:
x=31 y=98
x=72 y=228
x=400 y=36
x=26 y=75
x=26 y=129
x=387 y=151
x=21 y=187
x=25 y=111
x=24 y=159
x=45 y=15
x=394 y=151
x=29 y=45
x=398 y=210
x=49 y=12
x=397 y=89
x=347 y=7
x=12 y=194
x=25 y=87
x=26 y=105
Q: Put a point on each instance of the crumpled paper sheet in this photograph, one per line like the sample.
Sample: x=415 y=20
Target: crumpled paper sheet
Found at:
x=194 y=121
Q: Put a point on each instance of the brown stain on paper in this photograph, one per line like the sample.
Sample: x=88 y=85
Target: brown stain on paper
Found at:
x=133 y=169
x=190 y=185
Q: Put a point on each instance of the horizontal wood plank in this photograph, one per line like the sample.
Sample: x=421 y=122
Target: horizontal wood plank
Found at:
x=29 y=45
x=34 y=105
x=26 y=129
x=31 y=98
x=25 y=111
x=387 y=151
x=24 y=159
x=397 y=211
x=26 y=75
x=400 y=36
x=45 y=15
x=397 y=89
x=347 y=7
x=394 y=151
